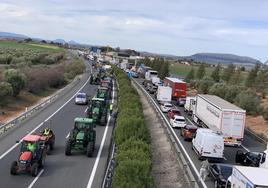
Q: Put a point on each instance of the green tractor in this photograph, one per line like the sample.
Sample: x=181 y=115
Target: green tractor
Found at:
x=104 y=93
x=94 y=79
x=82 y=137
x=97 y=111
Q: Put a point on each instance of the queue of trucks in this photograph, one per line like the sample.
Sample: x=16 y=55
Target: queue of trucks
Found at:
x=222 y=124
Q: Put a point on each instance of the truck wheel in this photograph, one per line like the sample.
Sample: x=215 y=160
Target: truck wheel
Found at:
x=14 y=168
x=34 y=170
x=68 y=148
x=90 y=149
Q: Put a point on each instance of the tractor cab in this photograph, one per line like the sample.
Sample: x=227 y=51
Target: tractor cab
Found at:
x=32 y=143
x=98 y=110
x=107 y=84
x=82 y=137
x=103 y=92
x=95 y=79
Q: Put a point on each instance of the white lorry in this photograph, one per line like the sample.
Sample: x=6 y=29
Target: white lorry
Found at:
x=219 y=115
x=150 y=74
x=208 y=144
x=248 y=177
x=163 y=94
x=189 y=105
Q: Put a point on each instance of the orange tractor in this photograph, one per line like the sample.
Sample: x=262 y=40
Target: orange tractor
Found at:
x=32 y=155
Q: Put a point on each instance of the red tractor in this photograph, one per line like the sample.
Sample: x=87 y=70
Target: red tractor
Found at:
x=32 y=155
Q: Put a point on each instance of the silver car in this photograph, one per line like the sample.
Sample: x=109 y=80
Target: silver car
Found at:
x=81 y=98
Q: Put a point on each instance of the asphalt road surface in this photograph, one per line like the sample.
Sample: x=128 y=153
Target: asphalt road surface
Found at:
x=59 y=171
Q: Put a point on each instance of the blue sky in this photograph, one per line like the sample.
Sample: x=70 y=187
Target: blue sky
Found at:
x=179 y=27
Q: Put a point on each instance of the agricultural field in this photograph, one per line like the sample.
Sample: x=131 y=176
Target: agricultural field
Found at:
x=35 y=70
x=182 y=70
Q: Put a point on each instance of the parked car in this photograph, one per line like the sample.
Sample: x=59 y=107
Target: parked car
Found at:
x=172 y=112
x=250 y=158
x=177 y=122
x=188 y=131
x=81 y=98
x=220 y=173
x=165 y=107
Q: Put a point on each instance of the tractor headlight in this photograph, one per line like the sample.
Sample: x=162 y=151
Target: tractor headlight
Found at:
x=23 y=162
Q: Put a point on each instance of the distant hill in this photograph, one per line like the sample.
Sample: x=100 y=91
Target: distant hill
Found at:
x=12 y=35
x=215 y=58
x=73 y=42
x=61 y=41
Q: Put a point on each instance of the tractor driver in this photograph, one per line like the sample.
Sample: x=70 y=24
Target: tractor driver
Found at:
x=31 y=147
x=46 y=132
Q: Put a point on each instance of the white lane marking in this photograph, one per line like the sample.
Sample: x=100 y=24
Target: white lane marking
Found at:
x=92 y=175
x=68 y=135
x=36 y=178
x=86 y=110
x=15 y=145
x=245 y=148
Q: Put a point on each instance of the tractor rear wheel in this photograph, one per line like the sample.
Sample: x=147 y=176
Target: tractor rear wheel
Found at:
x=43 y=159
x=102 y=120
x=34 y=170
x=68 y=148
x=90 y=149
x=94 y=139
x=14 y=168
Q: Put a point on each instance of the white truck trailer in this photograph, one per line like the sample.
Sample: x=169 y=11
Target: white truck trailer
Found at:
x=189 y=105
x=248 y=177
x=163 y=94
x=219 y=115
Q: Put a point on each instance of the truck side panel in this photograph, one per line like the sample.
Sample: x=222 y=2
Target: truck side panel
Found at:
x=208 y=114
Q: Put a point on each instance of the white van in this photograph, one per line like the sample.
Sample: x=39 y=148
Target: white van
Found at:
x=208 y=144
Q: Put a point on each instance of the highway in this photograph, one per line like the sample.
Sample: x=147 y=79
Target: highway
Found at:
x=72 y=171
x=249 y=143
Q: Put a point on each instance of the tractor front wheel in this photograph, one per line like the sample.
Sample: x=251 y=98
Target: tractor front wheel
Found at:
x=102 y=120
x=34 y=170
x=14 y=168
x=68 y=148
x=90 y=149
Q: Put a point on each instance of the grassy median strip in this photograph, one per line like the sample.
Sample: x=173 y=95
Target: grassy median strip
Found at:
x=132 y=138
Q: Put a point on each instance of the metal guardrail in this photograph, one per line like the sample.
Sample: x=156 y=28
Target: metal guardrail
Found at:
x=15 y=122
x=188 y=165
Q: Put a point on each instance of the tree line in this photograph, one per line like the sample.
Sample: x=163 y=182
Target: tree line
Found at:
x=231 y=84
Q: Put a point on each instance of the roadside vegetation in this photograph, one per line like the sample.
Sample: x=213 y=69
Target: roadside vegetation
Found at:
x=132 y=138
x=157 y=64
x=34 y=68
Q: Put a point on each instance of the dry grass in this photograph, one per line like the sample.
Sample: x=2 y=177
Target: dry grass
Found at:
x=258 y=125
x=18 y=105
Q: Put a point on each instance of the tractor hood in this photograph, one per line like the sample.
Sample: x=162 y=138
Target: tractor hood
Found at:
x=80 y=136
x=96 y=111
x=25 y=156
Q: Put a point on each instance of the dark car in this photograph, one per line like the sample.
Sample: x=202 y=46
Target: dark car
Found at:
x=188 y=131
x=220 y=173
x=250 y=158
x=172 y=112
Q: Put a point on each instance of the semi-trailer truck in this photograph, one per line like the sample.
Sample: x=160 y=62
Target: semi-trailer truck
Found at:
x=178 y=88
x=248 y=177
x=219 y=115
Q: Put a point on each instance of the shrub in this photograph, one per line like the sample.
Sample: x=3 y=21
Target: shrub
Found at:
x=204 y=85
x=5 y=91
x=133 y=161
x=16 y=79
x=249 y=101
x=75 y=68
